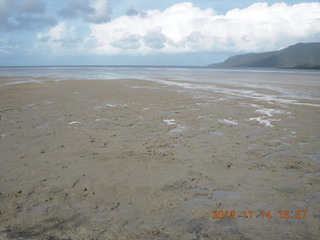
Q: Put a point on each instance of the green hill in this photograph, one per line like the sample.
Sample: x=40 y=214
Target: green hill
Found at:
x=301 y=55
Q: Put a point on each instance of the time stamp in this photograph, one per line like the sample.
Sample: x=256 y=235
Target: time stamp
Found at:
x=283 y=214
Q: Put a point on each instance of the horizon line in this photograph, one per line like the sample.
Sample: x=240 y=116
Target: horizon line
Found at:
x=98 y=65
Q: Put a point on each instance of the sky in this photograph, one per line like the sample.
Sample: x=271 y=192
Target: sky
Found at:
x=149 y=32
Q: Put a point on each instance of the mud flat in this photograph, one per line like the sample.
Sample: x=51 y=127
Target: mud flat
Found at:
x=134 y=159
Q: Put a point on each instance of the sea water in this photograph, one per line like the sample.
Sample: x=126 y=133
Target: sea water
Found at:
x=283 y=85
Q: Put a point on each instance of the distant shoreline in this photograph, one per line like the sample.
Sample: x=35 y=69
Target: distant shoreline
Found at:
x=298 y=56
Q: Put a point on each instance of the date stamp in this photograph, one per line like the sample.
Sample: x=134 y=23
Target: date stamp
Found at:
x=283 y=214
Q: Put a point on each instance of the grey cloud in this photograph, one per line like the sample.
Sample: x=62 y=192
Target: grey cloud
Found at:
x=131 y=42
x=85 y=10
x=76 y=8
x=90 y=42
x=191 y=39
x=70 y=43
x=135 y=12
x=99 y=18
x=31 y=22
x=155 y=39
x=194 y=37
x=132 y=12
x=6 y=9
x=31 y=6
x=24 y=15
x=44 y=39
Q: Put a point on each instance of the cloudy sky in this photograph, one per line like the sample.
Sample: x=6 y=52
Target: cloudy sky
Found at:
x=149 y=32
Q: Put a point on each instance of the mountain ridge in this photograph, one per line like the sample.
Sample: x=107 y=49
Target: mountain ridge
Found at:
x=300 y=55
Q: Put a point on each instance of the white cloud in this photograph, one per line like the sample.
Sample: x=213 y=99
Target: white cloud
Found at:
x=57 y=33
x=186 y=28
x=61 y=40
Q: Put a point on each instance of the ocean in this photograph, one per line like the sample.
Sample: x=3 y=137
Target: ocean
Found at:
x=284 y=85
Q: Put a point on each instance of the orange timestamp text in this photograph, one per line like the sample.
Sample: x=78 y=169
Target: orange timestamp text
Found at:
x=283 y=214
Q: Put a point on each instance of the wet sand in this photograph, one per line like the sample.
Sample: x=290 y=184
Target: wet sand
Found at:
x=133 y=159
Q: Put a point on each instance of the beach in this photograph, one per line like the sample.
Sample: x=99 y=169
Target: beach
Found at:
x=138 y=159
